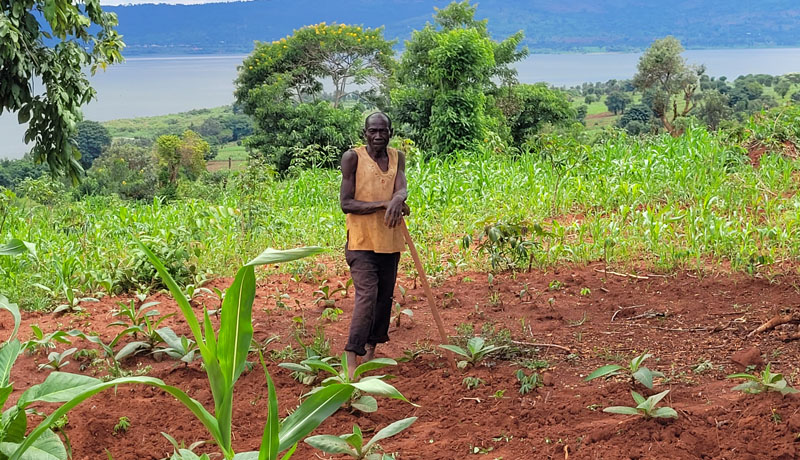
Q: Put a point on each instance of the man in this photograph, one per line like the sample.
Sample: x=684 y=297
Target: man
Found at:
x=373 y=196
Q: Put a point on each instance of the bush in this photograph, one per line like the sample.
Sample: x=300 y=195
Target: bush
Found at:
x=126 y=170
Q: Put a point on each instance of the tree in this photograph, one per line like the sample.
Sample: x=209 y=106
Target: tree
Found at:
x=636 y=120
x=662 y=70
x=84 y=37
x=782 y=87
x=616 y=101
x=127 y=170
x=528 y=107
x=185 y=153
x=714 y=108
x=448 y=79
x=91 y=138
x=280 y=85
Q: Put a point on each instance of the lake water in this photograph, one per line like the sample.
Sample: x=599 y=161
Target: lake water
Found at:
x=162 y=85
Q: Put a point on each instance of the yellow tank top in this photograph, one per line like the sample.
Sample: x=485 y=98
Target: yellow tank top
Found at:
x=368 y=232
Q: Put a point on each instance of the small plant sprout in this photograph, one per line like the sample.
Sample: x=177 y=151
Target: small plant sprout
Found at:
x=324 y=295
x=136 y=316
x=42 y=341
x=555 y=285
x=528 y=383
x=181 y=348
x=181 y=452
x=122 y=425
x=586 y=292
x=398 y=312
x=475 y=352
x=353 y=443
x=331 y=314
x=637 y=372
x=56 y=360
x=472 y=382
x=645 y=407
x=760 y=383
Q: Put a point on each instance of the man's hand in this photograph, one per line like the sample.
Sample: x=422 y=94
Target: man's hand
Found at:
x=394 y=212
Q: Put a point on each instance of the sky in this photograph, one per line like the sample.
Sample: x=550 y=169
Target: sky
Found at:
x=171 y=2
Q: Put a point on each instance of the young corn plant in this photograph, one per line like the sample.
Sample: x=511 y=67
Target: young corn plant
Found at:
x=646 y=407
x=224 y=355
x=476 y=350
x=136 y=316
x=763 y=382
x=636 y=371
x=352 y=444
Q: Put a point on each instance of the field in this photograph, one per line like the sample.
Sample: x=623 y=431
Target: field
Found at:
x=692 y=324
x=592 y=253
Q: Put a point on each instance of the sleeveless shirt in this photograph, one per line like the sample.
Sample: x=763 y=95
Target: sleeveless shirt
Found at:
x=368 y=231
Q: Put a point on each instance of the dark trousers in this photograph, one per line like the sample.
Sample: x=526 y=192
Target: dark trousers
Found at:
x=374 y=276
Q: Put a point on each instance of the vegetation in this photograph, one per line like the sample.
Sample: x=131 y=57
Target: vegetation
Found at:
x=635 y=369
x=84 y=37
x=645 y=407
x=763 y=382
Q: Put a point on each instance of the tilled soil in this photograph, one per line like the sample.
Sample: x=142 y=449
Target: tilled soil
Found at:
x=692 y=324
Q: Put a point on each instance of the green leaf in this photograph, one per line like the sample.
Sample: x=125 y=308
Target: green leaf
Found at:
x=366 y=404
x=14 y=310
x=236 y=325
x=130 y=349
x=316 y=364
x=294 y=367
x=272 y=256
x=312 y=412
x=607 y=370
x=377 y=363
x=57 y=387
x=390 y=430
x=644 y=376
x=637 y=397
x=18 y=426
x=456 y=349
x=8 y=356
x=656 y=398
x=48 y=446
x=330 y=444
x=194 y=406
x=625 y=410
x=270 y=441
x=14 y=247
x=664 y=412
x=379 y=387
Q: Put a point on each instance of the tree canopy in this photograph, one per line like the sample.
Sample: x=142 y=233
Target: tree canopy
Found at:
x=664 y=72
x=84 y=37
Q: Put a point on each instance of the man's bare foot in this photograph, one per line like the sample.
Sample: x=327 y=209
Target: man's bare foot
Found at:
x=352 y=363
x=370 y=352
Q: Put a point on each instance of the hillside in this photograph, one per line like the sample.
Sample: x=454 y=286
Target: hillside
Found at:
x=549 y=25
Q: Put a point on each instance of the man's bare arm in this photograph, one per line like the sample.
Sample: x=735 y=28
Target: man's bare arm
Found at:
x=397 y=207
x=347 y=192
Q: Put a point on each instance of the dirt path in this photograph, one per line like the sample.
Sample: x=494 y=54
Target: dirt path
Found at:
x=683 y=320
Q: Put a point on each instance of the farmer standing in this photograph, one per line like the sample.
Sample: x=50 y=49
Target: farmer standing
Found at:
x=373 y=197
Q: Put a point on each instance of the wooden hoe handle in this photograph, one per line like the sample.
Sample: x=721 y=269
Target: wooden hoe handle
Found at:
x=426 y=287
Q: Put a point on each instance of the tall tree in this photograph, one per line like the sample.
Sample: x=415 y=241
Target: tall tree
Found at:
x=280 y=86
x=616 y=101
x=445 y=75
x=664 y=71
x=84 y=37
x=185 y=153
x=91 y=138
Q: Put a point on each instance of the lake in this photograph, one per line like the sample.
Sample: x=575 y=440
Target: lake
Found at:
x=146 y=86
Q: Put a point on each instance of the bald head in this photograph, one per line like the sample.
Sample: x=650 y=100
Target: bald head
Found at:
x=378 y=115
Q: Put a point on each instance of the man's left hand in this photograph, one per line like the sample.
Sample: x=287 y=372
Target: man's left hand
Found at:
x=394 y=213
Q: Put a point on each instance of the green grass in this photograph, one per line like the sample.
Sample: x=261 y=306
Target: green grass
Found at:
x=152 y=127
x=661 y=202
x=232 y=151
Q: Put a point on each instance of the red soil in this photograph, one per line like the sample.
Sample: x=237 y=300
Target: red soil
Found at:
x=683 y=320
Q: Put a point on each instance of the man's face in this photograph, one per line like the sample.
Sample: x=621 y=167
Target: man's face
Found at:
x=377 y=132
